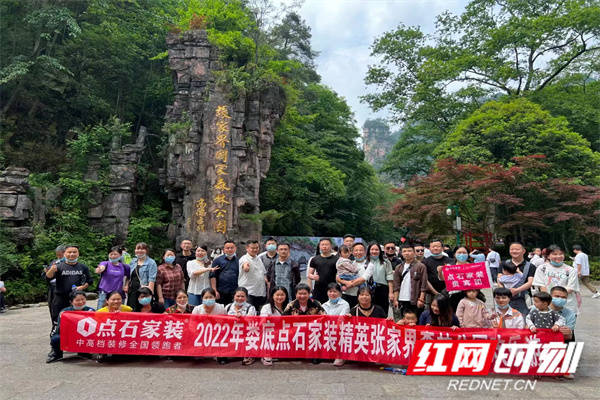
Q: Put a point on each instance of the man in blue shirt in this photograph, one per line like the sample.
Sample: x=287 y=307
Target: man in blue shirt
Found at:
x=224 y=280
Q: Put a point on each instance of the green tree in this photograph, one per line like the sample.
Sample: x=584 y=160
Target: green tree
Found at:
x=500 y=131
x=506 y=47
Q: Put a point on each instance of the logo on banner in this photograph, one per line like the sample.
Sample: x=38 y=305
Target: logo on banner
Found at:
x=452 y=357
x=474 y=357
x=86 y=326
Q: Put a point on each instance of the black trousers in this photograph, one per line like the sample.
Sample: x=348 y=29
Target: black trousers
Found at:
x=51 y=289
x=59 y=302
x=381 y=296
x=257 y=302
x=352 y=300
x=2 y=303
x=225 y=298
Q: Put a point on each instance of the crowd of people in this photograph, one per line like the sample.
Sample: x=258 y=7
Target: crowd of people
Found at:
x=374 y=280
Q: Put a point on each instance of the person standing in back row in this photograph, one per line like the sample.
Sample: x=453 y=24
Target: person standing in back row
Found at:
x=322 y=270
x=70 y=275
x=582 y=265
x=224 y=280
x=437 y=258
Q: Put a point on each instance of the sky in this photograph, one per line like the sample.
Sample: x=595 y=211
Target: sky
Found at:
x=343 y=30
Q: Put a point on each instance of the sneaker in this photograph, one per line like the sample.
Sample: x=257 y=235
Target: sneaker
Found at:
x=53 y=357
x=248 y=361
x=596 y=295
x=267 y=361
x=338 y=362
x=3 y=310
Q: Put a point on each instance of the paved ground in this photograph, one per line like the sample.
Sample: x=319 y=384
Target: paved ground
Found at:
x=25 y=375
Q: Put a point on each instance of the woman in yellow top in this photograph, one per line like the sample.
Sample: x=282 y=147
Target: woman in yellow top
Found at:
x=114 y=303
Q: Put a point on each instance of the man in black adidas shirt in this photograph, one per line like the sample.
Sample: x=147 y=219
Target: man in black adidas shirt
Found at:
x=437 y=258
x=68 y=273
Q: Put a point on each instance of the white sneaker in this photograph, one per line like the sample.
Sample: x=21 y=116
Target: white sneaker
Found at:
x=596 y=295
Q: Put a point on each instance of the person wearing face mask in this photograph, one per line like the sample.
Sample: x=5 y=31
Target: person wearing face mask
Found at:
x=435 y=284
x=78 y=300
x=186 y=255
x=557 y=273
x=505 y=316
x=269 y=256
x=112 y=273
x=69 y=273
x=143 y=273
x=209 y=305
x=181 y=305
x=199 y=271
x=224 y=279
x=322 y=269
x=252 y=275
x=335 y=305
x=239 y=308
x=144 y=302
x=169 y=279
x=559 y=301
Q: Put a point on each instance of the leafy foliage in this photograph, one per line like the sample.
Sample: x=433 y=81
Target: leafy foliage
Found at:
x=517 y=202
x=500 y=131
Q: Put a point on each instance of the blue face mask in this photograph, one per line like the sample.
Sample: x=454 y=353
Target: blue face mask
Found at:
x=209 y=302
x=230 y=257
x=114 y=260
x=360 y=259
x=462 y=257
x=145 y=301
x=73 y=261
x=239 y=303
x=334 y=301
x=170 y=259
x=271 y=247
x=559 y=301
x=556 y=264
x=504 y=307
x=436 y=254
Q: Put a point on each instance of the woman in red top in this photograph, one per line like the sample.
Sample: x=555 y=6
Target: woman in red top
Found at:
x=169 y=279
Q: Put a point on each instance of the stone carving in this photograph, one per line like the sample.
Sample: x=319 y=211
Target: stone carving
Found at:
x=219 y=147
x=16 y=207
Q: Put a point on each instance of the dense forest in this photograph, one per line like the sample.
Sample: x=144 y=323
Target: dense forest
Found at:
x=75 y=74
x=499 y=110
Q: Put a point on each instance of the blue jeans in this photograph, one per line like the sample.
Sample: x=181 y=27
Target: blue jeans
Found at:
x=169 y=302
x=101 y=299
x=494 y=273
x=194 y=299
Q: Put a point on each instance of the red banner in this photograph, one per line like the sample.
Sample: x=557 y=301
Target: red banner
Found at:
x=318 y=336
x=466 y=276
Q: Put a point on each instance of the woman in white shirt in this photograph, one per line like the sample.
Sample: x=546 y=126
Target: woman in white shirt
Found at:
x=209 y=305
x=198 y=270
x=336 y=306
x=278 y=301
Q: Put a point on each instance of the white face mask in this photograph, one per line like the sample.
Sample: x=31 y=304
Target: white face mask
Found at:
x=181 y=305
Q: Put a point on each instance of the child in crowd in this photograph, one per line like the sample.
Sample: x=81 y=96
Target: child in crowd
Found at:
x=471 y=311
x=541 y=316
x=410 y=318
x=505 y=316
x=346 y=270
x=511 y=276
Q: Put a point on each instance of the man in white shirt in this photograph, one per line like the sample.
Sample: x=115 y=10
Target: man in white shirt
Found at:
x=493 y=263
x=252 y=275
x=582 y=265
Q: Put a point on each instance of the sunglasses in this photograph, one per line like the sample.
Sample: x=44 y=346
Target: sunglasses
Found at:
x=390 y=248
x=420 y=251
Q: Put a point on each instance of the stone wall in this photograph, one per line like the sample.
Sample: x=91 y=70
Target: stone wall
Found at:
x=219 y=146
x=16 y=207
